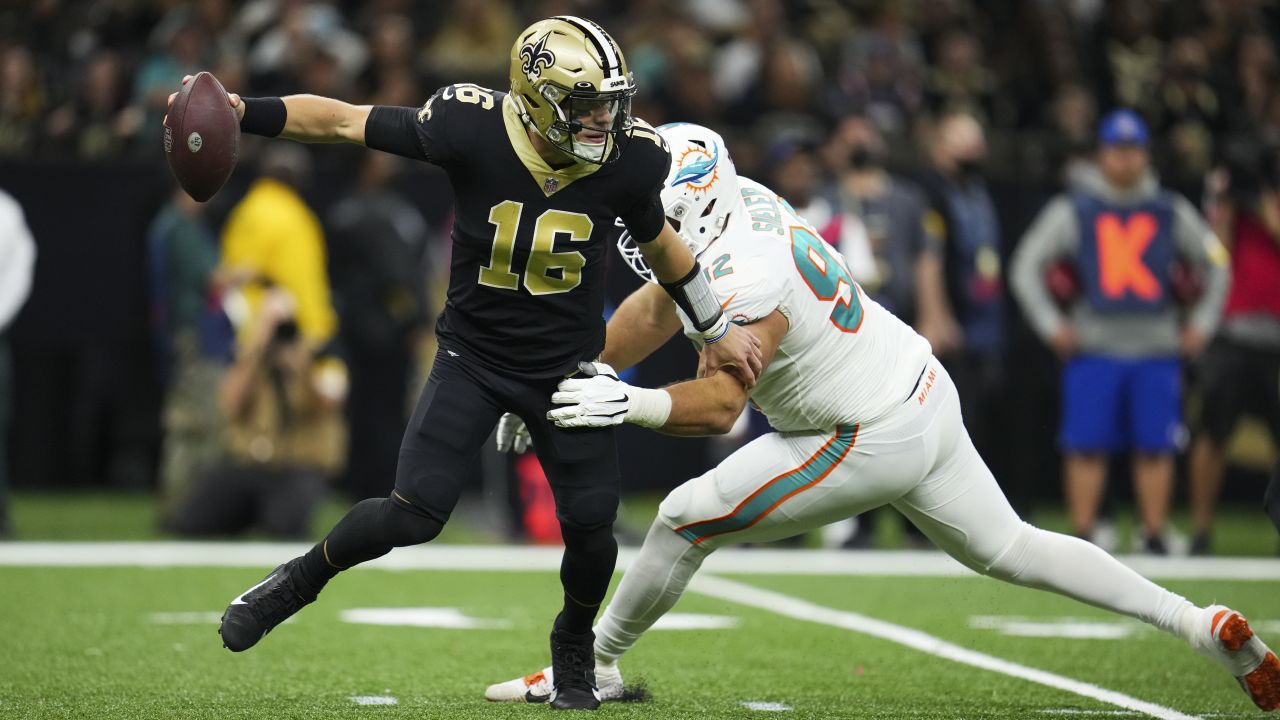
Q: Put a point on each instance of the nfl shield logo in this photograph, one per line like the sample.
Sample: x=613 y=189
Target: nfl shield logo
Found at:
x=550 y=185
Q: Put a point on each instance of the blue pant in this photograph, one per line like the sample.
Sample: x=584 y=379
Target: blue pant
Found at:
x=1112 y=404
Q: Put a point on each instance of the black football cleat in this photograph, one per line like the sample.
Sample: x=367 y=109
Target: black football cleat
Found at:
x=573 y=670
x=262 y=607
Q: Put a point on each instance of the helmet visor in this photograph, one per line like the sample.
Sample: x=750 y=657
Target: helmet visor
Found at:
x=593 y=125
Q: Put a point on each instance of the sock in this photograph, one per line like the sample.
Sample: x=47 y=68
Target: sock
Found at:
x=654 y=582
x=585 y=572
x=1083 y=571
x=370 y=529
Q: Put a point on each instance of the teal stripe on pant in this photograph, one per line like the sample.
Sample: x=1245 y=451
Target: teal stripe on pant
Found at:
x=778 y=489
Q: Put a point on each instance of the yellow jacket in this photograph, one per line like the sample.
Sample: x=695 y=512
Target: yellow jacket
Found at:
x=273 y=232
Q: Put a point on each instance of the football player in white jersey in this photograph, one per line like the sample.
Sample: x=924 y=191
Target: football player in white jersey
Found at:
x=864 y=416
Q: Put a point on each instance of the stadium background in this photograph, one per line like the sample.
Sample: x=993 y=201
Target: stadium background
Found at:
x=82 y=88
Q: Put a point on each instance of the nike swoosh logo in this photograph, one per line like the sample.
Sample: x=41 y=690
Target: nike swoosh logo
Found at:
x=240 y=600
x=533 y=697
x=725 y=304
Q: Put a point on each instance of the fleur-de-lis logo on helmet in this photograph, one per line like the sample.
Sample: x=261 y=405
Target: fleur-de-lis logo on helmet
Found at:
x=536 y=56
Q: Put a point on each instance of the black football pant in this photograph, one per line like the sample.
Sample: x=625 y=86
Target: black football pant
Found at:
x=455 y=416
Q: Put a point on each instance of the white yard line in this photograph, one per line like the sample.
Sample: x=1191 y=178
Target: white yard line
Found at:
x=799 y=609
x=522 y=557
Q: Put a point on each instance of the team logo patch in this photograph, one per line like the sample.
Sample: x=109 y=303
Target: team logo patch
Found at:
x=697 y=168
x=536 y=56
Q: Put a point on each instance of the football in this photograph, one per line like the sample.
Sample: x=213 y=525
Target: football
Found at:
x=202 y=137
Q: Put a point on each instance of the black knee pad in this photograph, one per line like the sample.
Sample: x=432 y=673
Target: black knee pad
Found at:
x=586 y=511
x=400 y=525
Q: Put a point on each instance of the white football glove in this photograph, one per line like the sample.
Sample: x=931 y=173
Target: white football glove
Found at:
x=512 y=434
x=597 y=398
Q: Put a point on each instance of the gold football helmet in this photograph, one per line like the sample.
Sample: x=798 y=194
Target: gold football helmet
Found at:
x=571 y=84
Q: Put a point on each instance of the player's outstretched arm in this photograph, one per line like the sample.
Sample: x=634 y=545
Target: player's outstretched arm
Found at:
x=707 y=406
x=640 y=325
x=305 y=118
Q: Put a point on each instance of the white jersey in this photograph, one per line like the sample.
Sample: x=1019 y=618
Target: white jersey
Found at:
x=844 y=358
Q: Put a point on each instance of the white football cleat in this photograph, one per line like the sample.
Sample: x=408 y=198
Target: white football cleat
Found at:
x=537 y=687
x=1223 y=635
x=532 y=688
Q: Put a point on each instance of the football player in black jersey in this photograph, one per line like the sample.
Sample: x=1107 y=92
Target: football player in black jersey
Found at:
x=540 y=173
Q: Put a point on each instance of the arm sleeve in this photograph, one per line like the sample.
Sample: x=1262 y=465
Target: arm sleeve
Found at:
x=644 y=218
x=1051 y=237
x=17 y=259
x=419 y=133
x=1201 y=247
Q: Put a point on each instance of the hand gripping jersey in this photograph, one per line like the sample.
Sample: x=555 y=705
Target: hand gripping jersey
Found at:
x=526 y=282
x=844 y=358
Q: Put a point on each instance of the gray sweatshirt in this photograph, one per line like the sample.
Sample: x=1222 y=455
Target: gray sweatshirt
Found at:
x=1055 y=236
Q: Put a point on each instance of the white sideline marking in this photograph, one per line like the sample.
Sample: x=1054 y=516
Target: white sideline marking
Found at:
x=798 y=609
x=766 y=706
x=434 y=617
x=695 y=621
x=1078 y=711
x=373 y=700
x=1059 y=627
x=905 y=563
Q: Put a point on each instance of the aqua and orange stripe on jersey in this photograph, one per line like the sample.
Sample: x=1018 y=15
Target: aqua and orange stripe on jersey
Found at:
x=777 y=491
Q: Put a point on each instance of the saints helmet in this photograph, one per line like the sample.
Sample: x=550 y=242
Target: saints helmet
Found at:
x=699 y=194
x=567 y=74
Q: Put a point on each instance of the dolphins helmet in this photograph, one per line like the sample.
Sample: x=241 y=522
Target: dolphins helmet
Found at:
x=699 y=194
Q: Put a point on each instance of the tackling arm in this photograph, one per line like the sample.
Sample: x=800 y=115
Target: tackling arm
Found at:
x=711 y=405
x=641 y=324
x=706 y=406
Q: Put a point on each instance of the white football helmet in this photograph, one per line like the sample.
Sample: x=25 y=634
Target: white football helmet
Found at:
x=700 y=192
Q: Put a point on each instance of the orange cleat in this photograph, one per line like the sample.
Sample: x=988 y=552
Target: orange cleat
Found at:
x=1224 y=636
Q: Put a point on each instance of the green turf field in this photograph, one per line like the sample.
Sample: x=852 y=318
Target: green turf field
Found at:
x=126 y=642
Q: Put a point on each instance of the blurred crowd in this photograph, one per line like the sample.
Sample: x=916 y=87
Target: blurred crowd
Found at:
x=921 y=137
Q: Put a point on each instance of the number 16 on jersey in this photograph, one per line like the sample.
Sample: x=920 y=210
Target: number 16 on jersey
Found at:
x=548 y=272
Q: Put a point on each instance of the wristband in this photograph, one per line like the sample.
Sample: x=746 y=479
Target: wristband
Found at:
x=693 y=295
x=716 y=333
x=648 y=407
x=263 y=116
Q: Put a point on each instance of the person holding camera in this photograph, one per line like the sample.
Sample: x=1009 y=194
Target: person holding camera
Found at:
x=286 y=437
x=1240 y=371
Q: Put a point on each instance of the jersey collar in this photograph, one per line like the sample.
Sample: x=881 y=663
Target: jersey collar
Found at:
x=547 y=178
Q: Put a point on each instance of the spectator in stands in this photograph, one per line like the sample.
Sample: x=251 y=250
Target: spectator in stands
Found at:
x=878 y=73
x=474 y=43
x=17 y=268
x=960 y=81
x=274 y=233
x=962 y=213
x=93 y=125
x=1123 y=335
x=283 y=404
x=879 y=226
x=1240 y=371
x=379 y=262
x=23 y=99
x=1190 y=115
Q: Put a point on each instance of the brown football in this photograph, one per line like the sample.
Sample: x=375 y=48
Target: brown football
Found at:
x=202 y=137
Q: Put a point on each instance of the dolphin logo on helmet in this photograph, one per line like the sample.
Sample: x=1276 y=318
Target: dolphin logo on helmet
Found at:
x=700 y=194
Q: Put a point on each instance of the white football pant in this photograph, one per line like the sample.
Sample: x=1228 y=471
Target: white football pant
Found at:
x=918 y=458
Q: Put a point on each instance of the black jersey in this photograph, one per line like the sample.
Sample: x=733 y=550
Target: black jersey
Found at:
x=526 y=286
